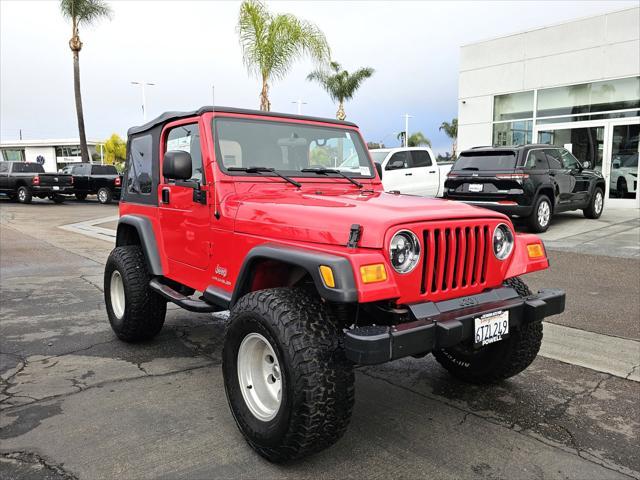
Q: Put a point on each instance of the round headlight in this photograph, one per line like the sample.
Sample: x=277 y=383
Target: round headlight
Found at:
x=404 y=251
x=502 y=241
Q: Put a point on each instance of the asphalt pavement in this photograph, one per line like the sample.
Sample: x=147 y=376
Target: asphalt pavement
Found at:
x=75 y=402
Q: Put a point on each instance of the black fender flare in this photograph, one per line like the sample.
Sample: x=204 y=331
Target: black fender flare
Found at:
x=147 y=240
x=345 y=290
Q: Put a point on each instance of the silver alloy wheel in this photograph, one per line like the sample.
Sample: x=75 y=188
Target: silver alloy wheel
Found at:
x=102 y=196
x=544 y=213
x=598 y=202
x=116 y=293
x=260 y=377
x=22 y=194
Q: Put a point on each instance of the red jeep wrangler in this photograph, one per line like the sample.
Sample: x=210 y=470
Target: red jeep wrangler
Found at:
x=282 y=219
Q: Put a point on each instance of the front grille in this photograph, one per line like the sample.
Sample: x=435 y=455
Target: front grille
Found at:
x=455 y=258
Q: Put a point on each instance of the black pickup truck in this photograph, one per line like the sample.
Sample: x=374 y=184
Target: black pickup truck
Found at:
x=101 y=180
x=22 y=181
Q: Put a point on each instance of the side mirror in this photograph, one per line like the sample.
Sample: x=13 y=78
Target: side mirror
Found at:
x=616 y=164
x=177 y=165
x=586 y=164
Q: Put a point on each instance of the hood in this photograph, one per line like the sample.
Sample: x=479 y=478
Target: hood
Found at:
x=326 y=217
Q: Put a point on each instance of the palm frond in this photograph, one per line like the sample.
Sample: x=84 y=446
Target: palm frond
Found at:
x=338 y=83
x=85 y=12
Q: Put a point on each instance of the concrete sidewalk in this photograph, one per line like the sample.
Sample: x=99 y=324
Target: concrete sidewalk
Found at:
x=616 y=233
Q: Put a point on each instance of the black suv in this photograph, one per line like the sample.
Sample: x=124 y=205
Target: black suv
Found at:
x=530 y=181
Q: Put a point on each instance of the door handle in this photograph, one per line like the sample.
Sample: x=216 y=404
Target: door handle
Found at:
x=408 y=174
x=165 y=195
x=432 y=171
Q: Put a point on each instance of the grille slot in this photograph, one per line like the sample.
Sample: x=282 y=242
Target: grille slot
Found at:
x=455 y=258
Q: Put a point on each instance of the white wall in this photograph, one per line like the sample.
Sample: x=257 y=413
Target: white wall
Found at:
x=49 y=154
x=585 y=50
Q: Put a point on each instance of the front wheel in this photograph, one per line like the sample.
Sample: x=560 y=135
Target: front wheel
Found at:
x=498 y=361
x=288 y=383
x=135 y=311
x=540 y=217
x=596 y=204
x=104 y=195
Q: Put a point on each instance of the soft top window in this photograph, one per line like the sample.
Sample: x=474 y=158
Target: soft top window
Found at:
x=27 y=168
x=488 y=160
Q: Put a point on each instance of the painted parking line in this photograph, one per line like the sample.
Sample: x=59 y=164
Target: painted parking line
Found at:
x=617 y=356
x=90 y=228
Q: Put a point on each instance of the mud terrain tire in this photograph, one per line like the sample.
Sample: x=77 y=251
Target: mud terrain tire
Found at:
x=135 y=311
x=317 y=381
x=498 y=361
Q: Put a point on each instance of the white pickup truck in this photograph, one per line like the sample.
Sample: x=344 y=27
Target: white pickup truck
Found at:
x=411 y=170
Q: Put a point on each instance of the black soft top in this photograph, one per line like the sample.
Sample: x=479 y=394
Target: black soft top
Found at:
x=171 y=116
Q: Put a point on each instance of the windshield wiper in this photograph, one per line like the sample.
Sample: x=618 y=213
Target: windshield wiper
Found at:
x=264 y=170
x=324 y=171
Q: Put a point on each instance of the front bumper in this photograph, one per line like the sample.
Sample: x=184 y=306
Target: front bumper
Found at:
x=445 y=324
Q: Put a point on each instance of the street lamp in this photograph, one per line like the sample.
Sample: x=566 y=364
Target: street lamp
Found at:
x=300 y=103
x=144 y=98
x=406 y=129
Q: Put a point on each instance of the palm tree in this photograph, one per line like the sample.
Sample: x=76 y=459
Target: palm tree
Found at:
x=339 y=84
x=81 y=12
x=271 y=43
x=416 y=139
x=451 y=130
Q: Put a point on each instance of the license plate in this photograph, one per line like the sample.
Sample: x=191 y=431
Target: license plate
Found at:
x=56 y=188
x=491 y=327
x=476 y=187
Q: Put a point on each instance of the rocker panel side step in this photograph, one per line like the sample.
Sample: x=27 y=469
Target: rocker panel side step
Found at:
x=187 y=303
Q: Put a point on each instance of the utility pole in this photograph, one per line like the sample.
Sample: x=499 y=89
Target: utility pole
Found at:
x=300 y=103
x=20 y=134
x=144 y=98
x=406 y=129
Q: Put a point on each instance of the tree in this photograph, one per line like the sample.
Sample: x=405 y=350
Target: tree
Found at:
x=339 y=84
x=81 y=13
x=416 y=139
x=451 y=130
x=115 y=151
x=271 y=43
x=375 y=145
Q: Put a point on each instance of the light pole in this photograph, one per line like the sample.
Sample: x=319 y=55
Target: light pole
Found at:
x=406 y=129
x=102 y=154
x=144 y=98
x=300 y=103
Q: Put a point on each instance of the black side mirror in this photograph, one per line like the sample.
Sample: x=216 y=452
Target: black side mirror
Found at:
x=586 y=164
x=177 y=165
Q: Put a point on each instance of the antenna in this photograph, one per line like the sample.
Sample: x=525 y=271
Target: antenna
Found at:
x=216 y=213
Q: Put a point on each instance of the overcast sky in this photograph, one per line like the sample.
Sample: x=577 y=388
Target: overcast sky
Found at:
x=186 y=46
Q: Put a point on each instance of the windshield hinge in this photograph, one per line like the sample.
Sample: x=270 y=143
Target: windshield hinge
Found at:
x=354 y=235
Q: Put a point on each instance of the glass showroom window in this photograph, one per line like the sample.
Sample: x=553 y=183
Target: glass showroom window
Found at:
x=608 y=95
x=11 y=155
x=512 y=133
x=513 y=106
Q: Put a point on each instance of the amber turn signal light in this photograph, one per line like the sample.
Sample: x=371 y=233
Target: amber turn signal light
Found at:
x=327 y=276
x=373 y=273
x=535 y=250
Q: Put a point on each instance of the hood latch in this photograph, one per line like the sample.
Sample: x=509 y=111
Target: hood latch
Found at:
x=354 y=235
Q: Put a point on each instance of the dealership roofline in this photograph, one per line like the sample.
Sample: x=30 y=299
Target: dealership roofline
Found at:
x=50 y=142
x=528 y=30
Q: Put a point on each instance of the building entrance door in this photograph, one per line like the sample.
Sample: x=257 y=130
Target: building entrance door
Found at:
x=608 y=146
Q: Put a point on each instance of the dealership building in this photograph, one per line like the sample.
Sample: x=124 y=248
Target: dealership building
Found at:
x=51 y=154
x=574 y=84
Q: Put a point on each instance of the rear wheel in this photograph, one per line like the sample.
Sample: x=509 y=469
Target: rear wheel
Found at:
x=500 y=360
x=24 y=194
x=135 y=311
x=81 y=197
x=596 y=204
x=104 y=195
x=288 y=383
x=540 y=217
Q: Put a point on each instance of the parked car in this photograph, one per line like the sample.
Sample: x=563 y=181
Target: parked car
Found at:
x=101 y=180
x=22 y=181
x=411 y=170
x=623 y=180
x=531 y=181
x=321 y=269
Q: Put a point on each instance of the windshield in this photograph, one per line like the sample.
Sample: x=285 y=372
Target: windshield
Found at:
x=625 y=161
x=289 y=147
x=480 y=161
x=378 y=157
x=27 y=168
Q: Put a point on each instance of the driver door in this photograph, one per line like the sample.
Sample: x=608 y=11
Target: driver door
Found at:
x=184 y=213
